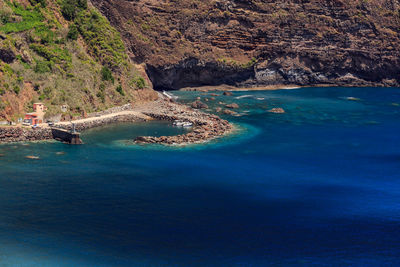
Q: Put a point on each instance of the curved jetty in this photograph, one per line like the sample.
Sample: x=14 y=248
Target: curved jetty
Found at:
x=205 y=126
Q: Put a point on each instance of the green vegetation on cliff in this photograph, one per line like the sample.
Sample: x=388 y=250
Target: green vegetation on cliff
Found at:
x=57 y=52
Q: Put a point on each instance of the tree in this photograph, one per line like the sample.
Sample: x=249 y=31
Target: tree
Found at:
x=70 y=8
x=73 y=32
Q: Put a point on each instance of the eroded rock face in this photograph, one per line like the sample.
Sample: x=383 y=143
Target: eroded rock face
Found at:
x=258 y=43
x=6 y=55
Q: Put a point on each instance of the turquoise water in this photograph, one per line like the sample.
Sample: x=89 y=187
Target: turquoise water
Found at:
x=318 y=185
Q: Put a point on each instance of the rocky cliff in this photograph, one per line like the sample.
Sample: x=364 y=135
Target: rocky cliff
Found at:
x=261 y=42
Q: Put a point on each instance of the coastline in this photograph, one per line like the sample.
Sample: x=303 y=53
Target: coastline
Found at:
x=244 y=89
x=205 y=126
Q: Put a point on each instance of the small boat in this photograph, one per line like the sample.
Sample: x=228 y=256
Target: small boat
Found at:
x=180 y=123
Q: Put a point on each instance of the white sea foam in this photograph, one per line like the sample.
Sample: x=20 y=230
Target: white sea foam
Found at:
x=243 y=96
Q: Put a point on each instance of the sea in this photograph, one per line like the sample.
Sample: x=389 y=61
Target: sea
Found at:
x=318 y=185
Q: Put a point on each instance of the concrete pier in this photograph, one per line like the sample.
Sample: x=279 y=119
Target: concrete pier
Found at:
x=66 y=136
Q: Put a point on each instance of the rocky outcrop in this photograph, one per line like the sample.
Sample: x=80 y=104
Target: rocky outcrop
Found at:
x=205 y=126
x=7 y=55
x=260 y=43
x=197 y=72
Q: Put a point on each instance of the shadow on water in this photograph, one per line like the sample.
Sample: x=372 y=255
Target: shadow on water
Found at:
x=180 y=225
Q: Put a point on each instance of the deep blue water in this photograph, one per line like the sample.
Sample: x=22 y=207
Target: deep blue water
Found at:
x=318 y=185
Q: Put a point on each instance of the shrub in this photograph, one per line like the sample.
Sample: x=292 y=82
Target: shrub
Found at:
x=73 y=32
x=138 y=82
x=43 y=3
x=70 y=8
x=5 y=14
x=42 y=67
x=120 y=90
x=106 y=74
x=17 y=89
x=101 y=95
x=47 y=92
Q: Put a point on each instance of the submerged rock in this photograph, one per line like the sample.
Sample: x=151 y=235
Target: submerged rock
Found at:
x=277 y=110
x=233 y=105
x=229 y=112
x=227 y=93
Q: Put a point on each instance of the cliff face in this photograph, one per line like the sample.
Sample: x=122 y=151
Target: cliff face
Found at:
x=261 y=42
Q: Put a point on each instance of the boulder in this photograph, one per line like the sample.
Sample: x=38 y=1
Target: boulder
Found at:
x=227 y=93
x=198 y=105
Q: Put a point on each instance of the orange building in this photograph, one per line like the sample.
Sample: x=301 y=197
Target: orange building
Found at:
x=35 y=117
x=32 y=119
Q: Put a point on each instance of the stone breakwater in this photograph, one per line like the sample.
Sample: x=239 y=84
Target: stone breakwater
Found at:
x=93 y=122
x=127 y=107
x=205 y=126
x=21 y=134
